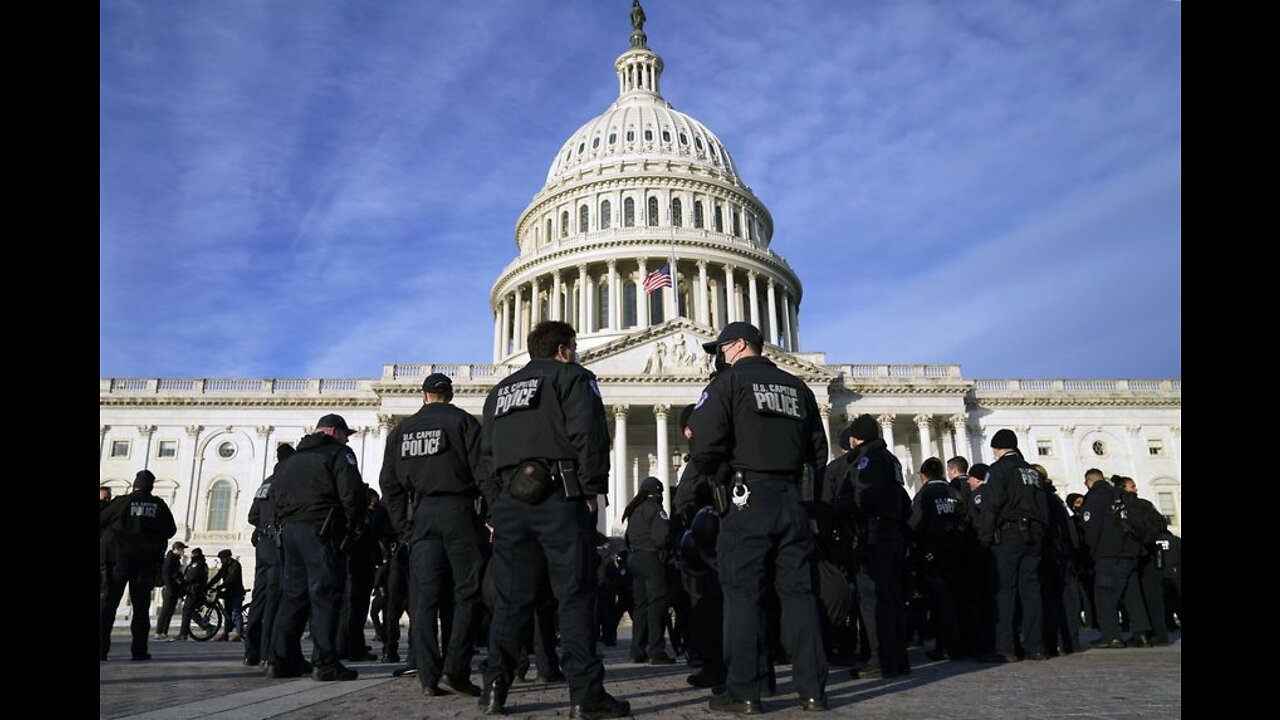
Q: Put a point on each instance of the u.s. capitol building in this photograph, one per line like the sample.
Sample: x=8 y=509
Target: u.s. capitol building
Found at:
x=636 y=188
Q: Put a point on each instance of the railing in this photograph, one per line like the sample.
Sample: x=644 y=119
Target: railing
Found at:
x=897 y=371
x=265 y=386
x=1078 y=386
x=456 y=371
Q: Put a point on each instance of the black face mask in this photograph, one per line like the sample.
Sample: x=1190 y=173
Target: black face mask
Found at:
x=721 y=365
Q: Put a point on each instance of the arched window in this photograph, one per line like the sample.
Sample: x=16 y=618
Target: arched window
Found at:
x=666 y=136
x=548 y=236
x=595 y=143
x=677 y=212
x=606 y=215
x=648 y=136
x=653 y=211
x=219 y=507
x=628 y=304
x=602 y=302
x=717 y=218
x=698 y=220
x=564 y=223
x=737 y=225
x=631 y=135
x=629 y=212
x=613 y=138
x=582 y=219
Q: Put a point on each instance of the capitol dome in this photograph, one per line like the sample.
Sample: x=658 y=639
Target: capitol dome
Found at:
x=643 y=192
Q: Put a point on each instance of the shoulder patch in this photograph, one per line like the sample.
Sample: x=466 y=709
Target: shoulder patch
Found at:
x=977 y=499
x=863 y=462
x=1087 y=516
x=595 y=387
x=701 y=399
x=662 y=514
x=351 y=459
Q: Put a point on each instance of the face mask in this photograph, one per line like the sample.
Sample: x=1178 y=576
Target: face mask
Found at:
x=721 y=364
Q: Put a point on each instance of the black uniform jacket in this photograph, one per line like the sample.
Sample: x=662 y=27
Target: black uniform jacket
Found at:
x=759 y=418
x=135 y=527
x=647 y=527
x=435 y=451
x=547 y=410
x=1013 y=491
x=321 y=476
x=1103 y=532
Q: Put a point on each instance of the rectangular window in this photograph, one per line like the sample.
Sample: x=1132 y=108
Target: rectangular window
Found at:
x=167 y=449
x=119 y=448
x=1044 y=448
x=1155 y=447
x=1168 y=507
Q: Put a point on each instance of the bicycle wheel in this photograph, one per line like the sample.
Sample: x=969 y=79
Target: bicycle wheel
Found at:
x=206 y=622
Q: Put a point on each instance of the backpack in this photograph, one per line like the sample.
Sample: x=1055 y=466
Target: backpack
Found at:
x=1135 y=519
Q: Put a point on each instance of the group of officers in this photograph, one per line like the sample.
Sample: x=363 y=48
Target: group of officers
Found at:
x=767 y=532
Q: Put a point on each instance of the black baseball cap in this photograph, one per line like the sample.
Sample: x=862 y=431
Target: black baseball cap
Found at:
x=333 y=421
x=437 y=383
x=735 y=331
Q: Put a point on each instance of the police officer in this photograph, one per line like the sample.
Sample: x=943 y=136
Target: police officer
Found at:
x=1115 y=562
x=762 y=424
x=942 y=531
x=1150 y=577
x=546 y=438
x=648 y=541
x=875 y=499
x=133 y=532
x=431 y=476
x=171 y=588
x=266 y=572
x=1012 y=523
x=319 y=501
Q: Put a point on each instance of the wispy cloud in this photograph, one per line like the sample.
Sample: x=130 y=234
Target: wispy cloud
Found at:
x=317 y=188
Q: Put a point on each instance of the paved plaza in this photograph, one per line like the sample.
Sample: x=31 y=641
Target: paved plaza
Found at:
x=206 y=680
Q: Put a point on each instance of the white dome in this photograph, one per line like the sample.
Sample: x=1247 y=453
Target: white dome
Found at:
x=641 y=125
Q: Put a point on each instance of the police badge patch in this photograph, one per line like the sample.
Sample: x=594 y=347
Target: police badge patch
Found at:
x=595 y=388
x=351 y=460
x=863 y=463
x=1086 y=516
x=662 y=514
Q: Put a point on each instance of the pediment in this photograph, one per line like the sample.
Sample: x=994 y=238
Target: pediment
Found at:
x=673 y=350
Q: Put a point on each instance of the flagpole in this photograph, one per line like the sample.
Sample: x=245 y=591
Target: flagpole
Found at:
x=675 y=286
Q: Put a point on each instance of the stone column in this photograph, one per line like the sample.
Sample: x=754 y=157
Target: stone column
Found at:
x=772 y=336
x=146 y=432
x=886 y=432
x=589 y=301
x=517 y=330
x=983 y=431
x=535 y=307
x=795 y=329
x=642 y=297
x=580 y=296
x=1176 y=430
x=753 y=316
x=961 y=423
x=556 y=313
x=1067 y=446
x=618 y=473
x=786 y=321
x=924 y=423
x=669 y=304
x=102 y=440
x=615 y=297
x=506 y=328
x=1024 y=442
x=193 y=480
x=704 y=307
x=730 y=291
x=1131 y=440
x=825 y=411
x=664 y=453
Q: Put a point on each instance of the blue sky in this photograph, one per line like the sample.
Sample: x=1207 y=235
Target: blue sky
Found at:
x=317 y=188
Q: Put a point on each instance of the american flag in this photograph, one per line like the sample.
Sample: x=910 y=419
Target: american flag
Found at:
x=659 y=278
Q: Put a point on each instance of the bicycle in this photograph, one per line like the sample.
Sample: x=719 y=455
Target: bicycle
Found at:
x=207 y=620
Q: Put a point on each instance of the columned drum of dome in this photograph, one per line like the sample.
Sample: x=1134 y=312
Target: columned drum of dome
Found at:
x=640 y=187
